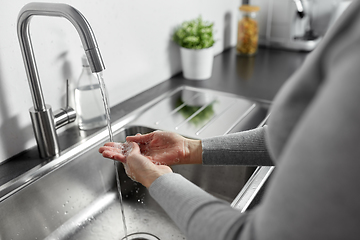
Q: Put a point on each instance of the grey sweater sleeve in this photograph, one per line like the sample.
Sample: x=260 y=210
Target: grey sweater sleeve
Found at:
x=198 y=214
x=243 y=148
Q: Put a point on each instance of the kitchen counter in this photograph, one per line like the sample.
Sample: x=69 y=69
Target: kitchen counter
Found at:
x=256 y=78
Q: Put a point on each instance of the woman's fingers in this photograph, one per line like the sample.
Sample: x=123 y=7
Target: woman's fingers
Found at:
x=116 y=151
x=108 y=148
x=113 y=144
x=138 y=138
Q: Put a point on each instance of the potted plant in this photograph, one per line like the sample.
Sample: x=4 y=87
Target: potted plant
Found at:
x=195 y=38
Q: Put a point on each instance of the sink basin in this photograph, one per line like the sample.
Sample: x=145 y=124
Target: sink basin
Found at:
x=75 y=195
x=80 y=200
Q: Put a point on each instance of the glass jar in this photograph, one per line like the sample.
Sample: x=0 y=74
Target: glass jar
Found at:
x=248 y=32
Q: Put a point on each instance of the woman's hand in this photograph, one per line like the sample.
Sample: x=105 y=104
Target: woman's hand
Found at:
x=137 y=167
x=168 y=148
x=146 y=157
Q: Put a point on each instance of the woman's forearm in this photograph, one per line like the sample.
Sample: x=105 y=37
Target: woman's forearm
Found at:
x=242 y=148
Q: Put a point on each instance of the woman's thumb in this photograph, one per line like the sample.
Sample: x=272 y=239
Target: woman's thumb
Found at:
x=133 y=148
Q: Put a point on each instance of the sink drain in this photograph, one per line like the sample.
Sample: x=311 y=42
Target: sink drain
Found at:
x=140 y=236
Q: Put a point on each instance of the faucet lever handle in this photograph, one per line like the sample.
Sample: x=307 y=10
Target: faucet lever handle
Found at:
x=67 y=114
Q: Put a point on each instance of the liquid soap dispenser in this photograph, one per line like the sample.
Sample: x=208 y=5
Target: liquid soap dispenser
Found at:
x=88 y=100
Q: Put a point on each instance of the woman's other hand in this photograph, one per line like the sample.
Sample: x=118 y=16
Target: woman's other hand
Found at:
x=137 y=167
x=168 y=148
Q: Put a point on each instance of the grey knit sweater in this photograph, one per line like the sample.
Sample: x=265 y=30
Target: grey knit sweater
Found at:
x=312 y=136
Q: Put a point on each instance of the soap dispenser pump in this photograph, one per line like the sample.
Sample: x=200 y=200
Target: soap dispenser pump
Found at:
x=88 y=100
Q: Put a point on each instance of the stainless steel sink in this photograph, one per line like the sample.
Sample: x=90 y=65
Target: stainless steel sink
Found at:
x=74 y=196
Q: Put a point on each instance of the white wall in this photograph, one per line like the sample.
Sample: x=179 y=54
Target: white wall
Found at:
x=133 y=37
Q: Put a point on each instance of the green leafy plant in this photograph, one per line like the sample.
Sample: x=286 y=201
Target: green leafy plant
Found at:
x=194 y=34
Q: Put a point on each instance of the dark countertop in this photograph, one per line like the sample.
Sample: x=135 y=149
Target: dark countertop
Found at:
x=257 y=78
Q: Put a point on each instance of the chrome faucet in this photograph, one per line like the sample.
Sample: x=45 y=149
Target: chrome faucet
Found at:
x=302 y=25
x=300 y=8
x=44 y=121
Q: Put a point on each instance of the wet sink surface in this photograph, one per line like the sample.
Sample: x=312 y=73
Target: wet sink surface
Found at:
x=79 y=199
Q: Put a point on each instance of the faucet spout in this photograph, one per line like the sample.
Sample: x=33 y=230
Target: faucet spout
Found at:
x=300 y=8
x=41 y=114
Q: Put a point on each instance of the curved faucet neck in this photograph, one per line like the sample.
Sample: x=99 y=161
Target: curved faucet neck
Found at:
x=57 y=10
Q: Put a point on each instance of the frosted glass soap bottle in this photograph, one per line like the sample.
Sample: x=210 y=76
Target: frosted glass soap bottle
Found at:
x=88 y=100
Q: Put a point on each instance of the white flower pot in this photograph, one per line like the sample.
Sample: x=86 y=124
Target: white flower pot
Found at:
x=197 y=63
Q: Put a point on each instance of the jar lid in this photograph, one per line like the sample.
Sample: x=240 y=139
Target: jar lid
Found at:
x=249 y=8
